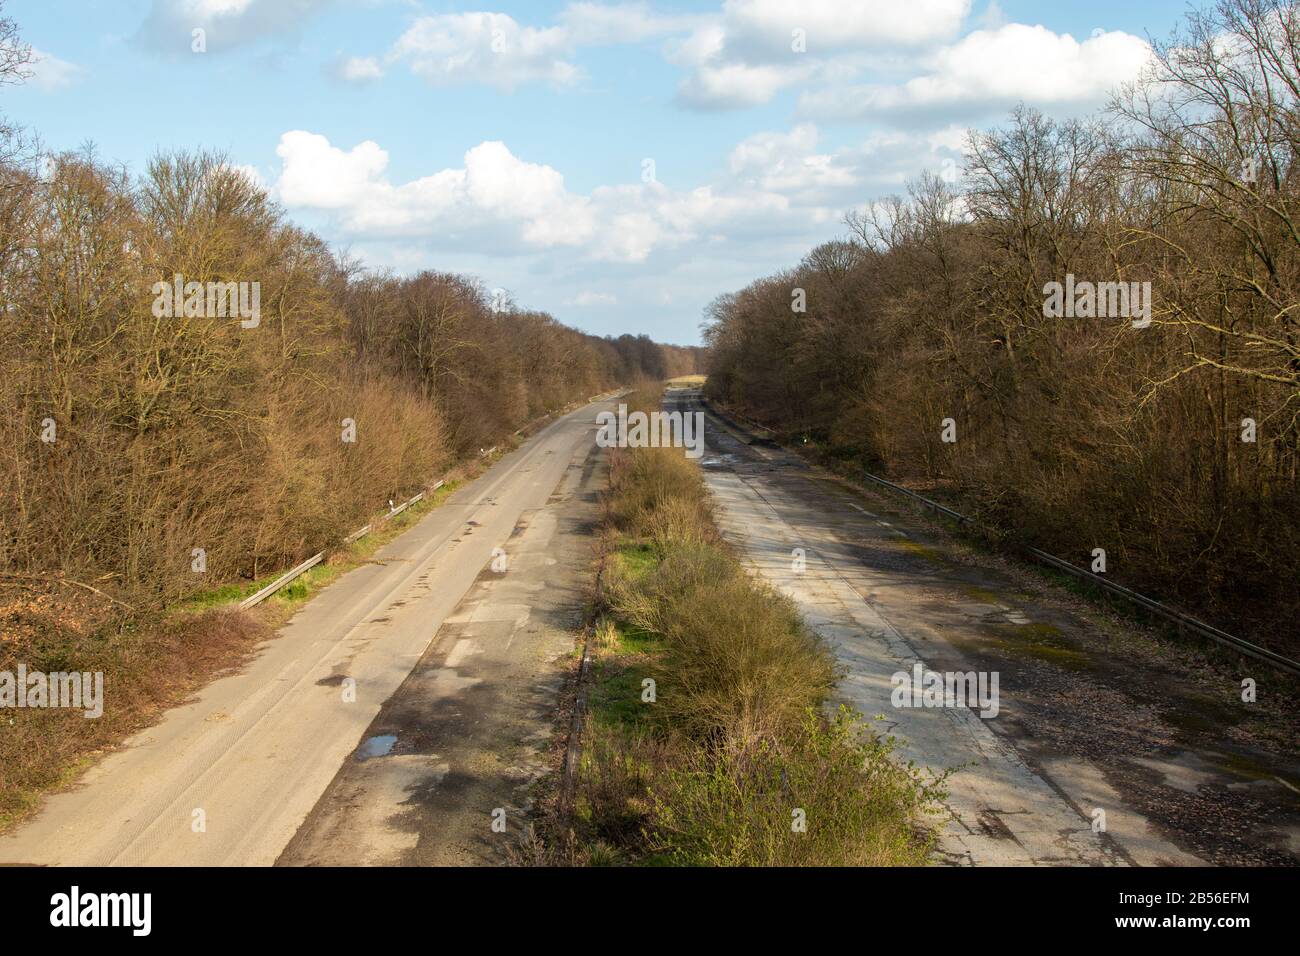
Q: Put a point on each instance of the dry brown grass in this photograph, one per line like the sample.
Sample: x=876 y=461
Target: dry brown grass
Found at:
x=147 y=669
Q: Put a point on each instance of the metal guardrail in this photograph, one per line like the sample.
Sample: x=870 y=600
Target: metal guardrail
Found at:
x=1186 y=623
x=296 y=572
x=281 y=581
x=925 y=501
x=567 y=408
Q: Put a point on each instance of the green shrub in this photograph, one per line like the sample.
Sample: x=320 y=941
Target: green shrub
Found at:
x=826 y=794
x=737 y=659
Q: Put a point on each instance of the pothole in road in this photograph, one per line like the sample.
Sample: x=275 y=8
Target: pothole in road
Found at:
x=380 y=745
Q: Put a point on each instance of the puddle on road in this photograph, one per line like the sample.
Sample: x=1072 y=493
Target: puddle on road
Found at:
x=380 y=745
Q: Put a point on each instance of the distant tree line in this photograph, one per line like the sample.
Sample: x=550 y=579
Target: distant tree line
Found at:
x=1174 y=446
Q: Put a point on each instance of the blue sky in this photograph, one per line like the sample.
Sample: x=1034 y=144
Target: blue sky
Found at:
x=616 y=164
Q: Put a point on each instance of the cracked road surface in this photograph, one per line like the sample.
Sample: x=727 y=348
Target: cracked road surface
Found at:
x=467 y=734
x=254 y=752
x=1081 y=730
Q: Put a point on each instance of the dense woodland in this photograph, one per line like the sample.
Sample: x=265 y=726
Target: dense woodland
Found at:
x=1085 y=432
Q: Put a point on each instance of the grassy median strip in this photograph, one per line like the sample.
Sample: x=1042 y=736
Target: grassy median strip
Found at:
x=707 y=742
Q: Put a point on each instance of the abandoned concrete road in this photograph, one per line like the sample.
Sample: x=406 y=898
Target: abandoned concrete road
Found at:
x=251 y=756
x=448 y=770
x=1108 y=748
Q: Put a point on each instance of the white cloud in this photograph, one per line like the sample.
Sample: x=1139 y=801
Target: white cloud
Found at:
x=496 y=50
x=358 y=69
x=738 y=57
x=598 y=24
x=494 y=193
x=766 y=27
x=992 y=18
x=745 y=54
x=499 y=204
x=227 y=23
x=251 y=173
x=322 y=176
x=788 y=163
x=997 y=68
x=49 y=73
x=589 y=298
x=951 y=137
x=756 y=48
x=745 y=58
x=217 y=8
x=489 y=48
x=1031 y=62
x=736 y=85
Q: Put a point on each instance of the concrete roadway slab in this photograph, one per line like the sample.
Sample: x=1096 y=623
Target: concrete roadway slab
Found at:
x=1002 y=813
x=468 y=732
